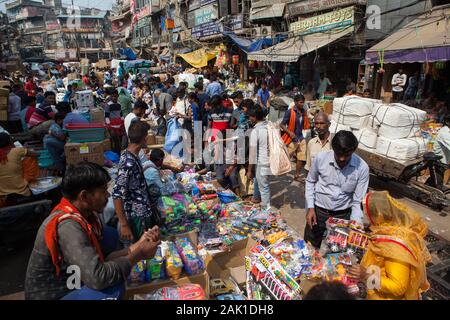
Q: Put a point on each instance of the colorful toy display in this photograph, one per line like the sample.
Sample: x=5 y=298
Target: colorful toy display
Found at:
x=174 y=264
x=193 y=264
x=182 y=292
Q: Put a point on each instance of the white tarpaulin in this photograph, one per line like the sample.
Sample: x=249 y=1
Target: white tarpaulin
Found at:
x=293 y=48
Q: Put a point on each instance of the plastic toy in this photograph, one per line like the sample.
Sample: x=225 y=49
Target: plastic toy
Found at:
x=219 y=287
x=193 y=264
x=182 y=292
x=155 y=267
x=174 y=264
x=138 y=274
x=230 y=297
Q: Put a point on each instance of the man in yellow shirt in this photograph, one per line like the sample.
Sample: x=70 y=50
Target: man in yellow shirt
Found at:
x=320 y=143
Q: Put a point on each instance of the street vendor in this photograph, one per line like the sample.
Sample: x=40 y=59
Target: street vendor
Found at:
x=397 y=249
x=15 y=164
x=74 y=236
x=44 y=111
x=336 y=185
x=295 y=120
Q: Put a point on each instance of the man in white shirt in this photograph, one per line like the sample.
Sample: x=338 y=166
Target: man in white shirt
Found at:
x=398 y=85
x=323 y=86
x=138 y=112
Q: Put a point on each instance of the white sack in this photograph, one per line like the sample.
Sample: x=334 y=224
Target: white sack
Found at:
x=401 y=150
x=397 y=121
x=367 y=138
x=353 y=111
x=336 y=127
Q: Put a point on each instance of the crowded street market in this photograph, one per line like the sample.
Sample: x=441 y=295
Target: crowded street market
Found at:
x=254 y=167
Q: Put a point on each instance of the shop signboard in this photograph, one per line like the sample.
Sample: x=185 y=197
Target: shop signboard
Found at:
x=194 y=4
x=331 y=20
x=207 y=29
x=236 y=22
x=205 y=2
x=302 y=7
x=205 y=14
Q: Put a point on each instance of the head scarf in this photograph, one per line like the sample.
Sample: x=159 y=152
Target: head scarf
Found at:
x=397 y=233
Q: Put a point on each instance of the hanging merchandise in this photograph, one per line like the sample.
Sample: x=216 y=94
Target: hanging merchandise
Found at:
x=381 y=56
x=235 y=59
x=251 y=64
x=170 y=24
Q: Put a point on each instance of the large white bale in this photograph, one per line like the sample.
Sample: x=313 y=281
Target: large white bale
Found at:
x=401 y=150
x=397 y=121
x=367 y=139
x=336 y=127
x=353 y=111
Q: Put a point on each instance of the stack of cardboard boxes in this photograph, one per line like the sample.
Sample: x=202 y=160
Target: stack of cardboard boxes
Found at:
x=4 y=97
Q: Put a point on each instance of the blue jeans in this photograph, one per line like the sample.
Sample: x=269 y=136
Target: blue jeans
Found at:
x=112 y=293
x=262 y=188
x=56 y=149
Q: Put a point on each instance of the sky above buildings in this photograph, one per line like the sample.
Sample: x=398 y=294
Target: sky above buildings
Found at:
x=100 y=4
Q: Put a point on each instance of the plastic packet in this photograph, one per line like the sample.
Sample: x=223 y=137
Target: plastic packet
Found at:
x=193 y=264
x=174 y=264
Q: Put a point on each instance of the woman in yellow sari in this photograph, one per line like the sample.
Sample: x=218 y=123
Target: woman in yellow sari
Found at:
x=394 y=266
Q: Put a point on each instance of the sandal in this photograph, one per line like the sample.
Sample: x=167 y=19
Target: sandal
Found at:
x=299 y=178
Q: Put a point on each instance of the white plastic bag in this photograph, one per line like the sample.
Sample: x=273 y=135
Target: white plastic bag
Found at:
x=280 y=162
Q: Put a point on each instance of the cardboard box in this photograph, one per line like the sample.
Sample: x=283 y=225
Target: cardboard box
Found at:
x=73 y=76
x=79 y=152
x=3 y=115
x=5 y=83
x=239 y=275
x=106 y=145
x=97 y=115
x=151 y=139
x=160 y=140
x=328 y=108
x=221 y=264
x=102 y=64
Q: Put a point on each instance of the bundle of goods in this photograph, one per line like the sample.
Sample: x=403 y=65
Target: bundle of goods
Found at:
x=170 y=260
x=401 y=150
x=85 y=99
x=170 y=184
x=227 y=196
x=203 y=188
x=274 y=281
x=367 y=138
x=188 y=179
x=193 y=264
x=397 y=121
x=180 y=213
x=336 y=265
x=353 y=111
x=346 y=236
x=336 y=127
x=182 y=292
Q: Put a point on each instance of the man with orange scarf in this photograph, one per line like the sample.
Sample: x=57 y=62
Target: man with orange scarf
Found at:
x=294 y=121
x=74 y=256
x=394 y=265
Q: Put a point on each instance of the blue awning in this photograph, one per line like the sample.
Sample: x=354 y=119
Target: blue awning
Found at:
x=255 y=45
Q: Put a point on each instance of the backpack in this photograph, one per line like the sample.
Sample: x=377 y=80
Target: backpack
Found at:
x=280 y=162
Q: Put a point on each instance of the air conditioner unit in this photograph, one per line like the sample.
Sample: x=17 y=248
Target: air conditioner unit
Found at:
x=266 y=31
x=256 y=31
